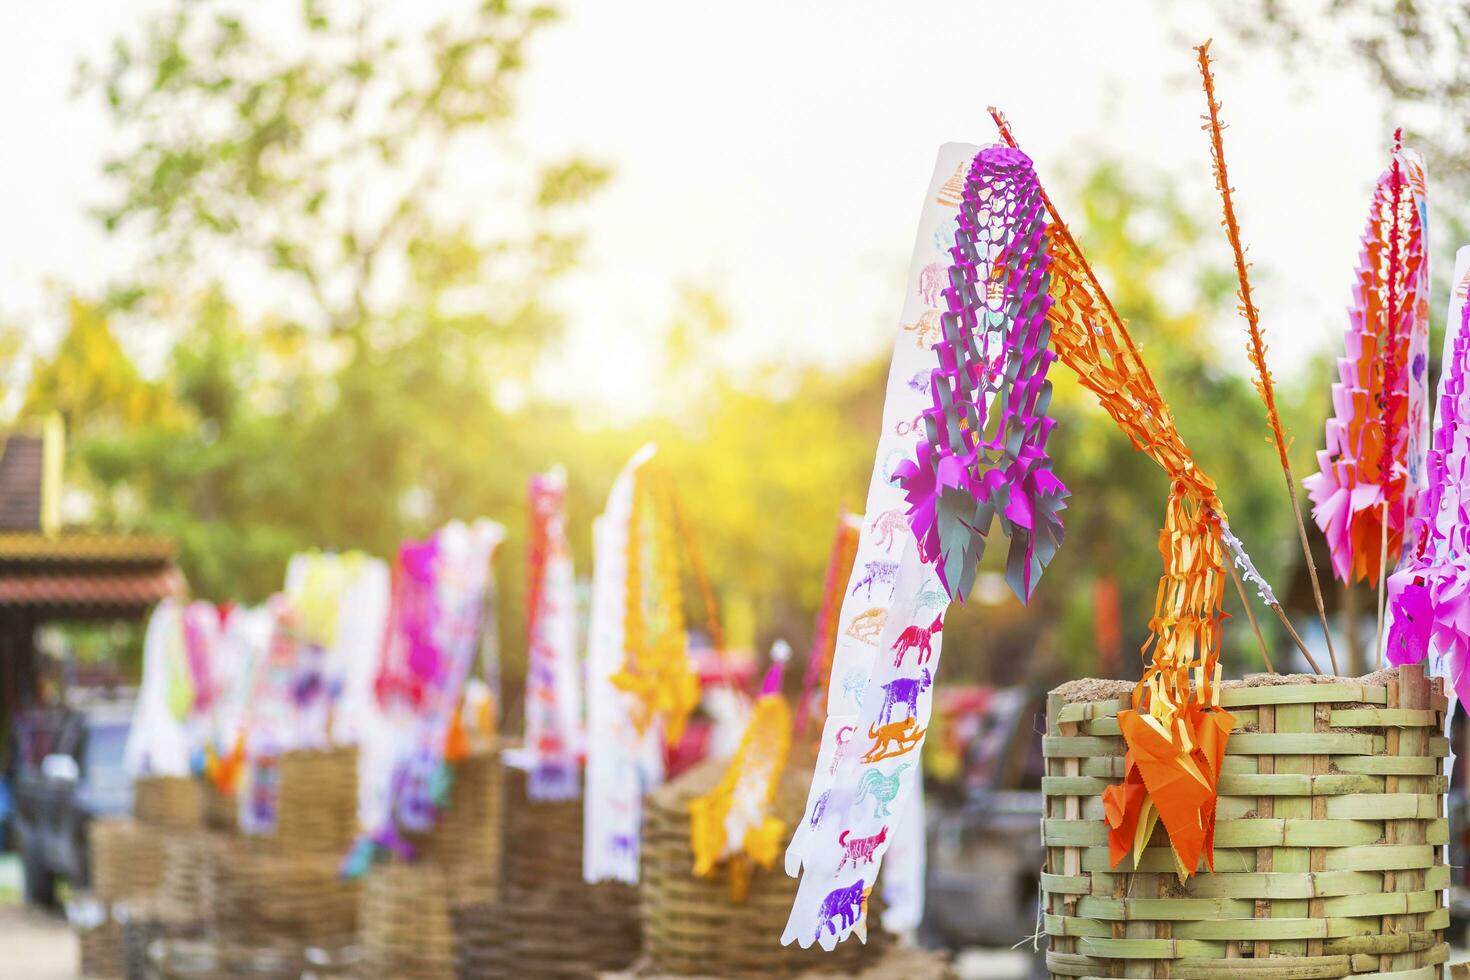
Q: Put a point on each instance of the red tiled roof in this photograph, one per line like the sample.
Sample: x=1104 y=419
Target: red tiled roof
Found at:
x=75 y=591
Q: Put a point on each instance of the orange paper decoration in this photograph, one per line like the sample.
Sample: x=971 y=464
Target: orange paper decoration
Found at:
x=1176 y=731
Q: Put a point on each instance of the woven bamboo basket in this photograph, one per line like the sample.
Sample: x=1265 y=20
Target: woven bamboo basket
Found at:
x=221 y=812
x=265 y=897
x=177 y=959
x=188 y=887
x=126 y=859
x=147 y=920
x=690 y=925
x=100 y=948
x=1329 y=841
x=548 y=921
x=468 y=832
x=316 y=811
x=404 y=921
x=172 y=802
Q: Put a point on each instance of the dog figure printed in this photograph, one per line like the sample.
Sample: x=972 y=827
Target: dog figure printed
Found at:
x=860 y=849
x=894 y=738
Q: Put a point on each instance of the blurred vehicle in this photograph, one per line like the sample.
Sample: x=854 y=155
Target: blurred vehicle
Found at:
x=66 y=769
x=985 y=852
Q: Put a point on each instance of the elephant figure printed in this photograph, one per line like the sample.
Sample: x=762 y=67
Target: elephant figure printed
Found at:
x=894 y=738
x=887 y=526
x=840 y=909
x=926 y=330
x=883 y=789
x=904 y=691
x=867 y=627
x=931 y=282
x=860 y=849
x=876 y=573
x=917 y=638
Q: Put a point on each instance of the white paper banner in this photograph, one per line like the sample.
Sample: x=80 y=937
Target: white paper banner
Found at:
x=621 y=763
x=890 y=629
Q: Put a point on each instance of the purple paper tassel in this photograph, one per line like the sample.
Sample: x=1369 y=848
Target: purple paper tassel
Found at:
x=974 y=465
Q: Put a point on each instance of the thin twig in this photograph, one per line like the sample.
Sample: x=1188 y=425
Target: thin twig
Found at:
x=1257 y=346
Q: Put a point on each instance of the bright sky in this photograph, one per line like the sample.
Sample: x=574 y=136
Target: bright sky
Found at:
x=776 y=152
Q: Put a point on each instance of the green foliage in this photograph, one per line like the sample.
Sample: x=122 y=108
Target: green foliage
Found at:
x=362 y=409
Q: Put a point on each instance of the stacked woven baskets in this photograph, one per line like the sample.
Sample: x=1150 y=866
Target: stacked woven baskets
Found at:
x=168 y=802
x=284 y=892
x=1329 y=844
x=316 y=810
x=405 y=911
x=548 y=922
x=126 y=864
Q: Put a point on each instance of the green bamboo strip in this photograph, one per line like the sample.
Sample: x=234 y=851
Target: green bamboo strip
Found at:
x=1172 y=909
x=1074 y=785
x=1109 y=769
x=1275 y=968
x=1080 y=746
x=1087 y=711
x=1292 y=746
x=1100 y=726
x=1384 y=903
x=1382 y=718
x=1384 y=806
x=1387 y=765
x=1234 y=833
x=1303 y=743
x=1381 y=857
x=1066 y=884
x=1378 y=944
x=1149 y=949
x=1234 y=697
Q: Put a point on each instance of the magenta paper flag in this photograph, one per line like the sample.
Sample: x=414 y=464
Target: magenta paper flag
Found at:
x=1429 y=598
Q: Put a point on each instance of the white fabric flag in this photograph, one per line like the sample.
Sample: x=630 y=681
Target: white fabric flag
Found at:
x=621 y=763
x=889 y=631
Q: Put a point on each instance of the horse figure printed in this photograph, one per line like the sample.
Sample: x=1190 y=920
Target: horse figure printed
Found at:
x=894 y=738
x=883 y=789
x=859 y=849
x=917 y=638
x=927 y=329
x=887 y=525
x=931 y=282
x=866 y=627
x=842 y=905
x=904 y=691
x=878 y=573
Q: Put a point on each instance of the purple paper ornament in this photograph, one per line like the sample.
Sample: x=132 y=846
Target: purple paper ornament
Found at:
x=975 y=464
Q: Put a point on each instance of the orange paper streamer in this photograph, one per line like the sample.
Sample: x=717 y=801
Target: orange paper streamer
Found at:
x=1175 y=731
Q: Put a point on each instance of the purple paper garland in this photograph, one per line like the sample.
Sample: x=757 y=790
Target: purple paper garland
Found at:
x=1431 y=594
x=995 y=339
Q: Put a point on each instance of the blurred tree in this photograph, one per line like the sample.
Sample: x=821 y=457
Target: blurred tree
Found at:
x=304 y=169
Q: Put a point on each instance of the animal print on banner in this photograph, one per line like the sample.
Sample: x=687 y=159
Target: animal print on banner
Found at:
x=889 y=632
